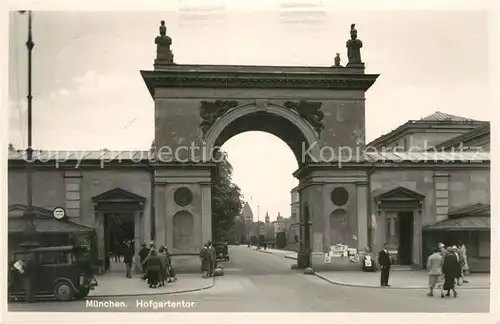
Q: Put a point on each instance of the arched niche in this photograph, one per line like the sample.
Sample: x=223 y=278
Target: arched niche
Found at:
x=183 y=233
x=340 y=230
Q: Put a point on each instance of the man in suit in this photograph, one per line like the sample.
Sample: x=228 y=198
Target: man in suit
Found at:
x=434 y=267
x=385 y=262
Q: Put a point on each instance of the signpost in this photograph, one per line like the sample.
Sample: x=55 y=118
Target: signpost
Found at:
x=59 y=213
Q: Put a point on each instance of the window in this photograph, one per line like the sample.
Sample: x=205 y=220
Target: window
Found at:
x=484 y=245
x=56 y=257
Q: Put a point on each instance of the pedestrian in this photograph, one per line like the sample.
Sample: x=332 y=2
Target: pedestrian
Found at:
x=451 y=267
x=153 y=265
x=143 y=254
x=170 y=268
x=385 y=262
x=162 y=255
x=458 y=277
x=128 y=258
x=462 y=259
x=226 y=250
x=212 y=254
x=204 y=257
x=434 y=268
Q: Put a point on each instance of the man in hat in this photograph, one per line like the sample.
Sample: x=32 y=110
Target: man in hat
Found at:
x=143 y=254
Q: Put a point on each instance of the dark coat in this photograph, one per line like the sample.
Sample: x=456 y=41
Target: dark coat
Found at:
x=143 y=253
x=451 y=267
x=205 y=259
x=384 y=259
x=128 y=254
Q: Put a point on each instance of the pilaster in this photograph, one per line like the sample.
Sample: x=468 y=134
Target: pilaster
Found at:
x=72 y=185
x=160 y=213
x=441 y=187
x=206 y=212
x=362 y=209
x=138 y=239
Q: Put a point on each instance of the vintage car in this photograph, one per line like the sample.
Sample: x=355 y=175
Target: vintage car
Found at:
x=63 y=272
x=221 y=252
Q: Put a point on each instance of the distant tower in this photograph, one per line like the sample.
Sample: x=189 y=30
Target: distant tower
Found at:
x=279 y=217
x=268 y=220
x=246 y=213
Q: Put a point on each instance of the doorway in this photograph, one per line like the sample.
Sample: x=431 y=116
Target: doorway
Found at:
x=118 y=228
x=405 y=235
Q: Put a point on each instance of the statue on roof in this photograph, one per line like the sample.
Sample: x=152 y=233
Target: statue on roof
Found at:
x=337 y=60
x=354 y=46
x=163 y=42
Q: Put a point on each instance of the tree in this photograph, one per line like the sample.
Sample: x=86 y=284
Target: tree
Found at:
x=227 y=201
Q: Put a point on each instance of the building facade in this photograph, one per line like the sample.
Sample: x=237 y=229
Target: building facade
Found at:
x=413 y=206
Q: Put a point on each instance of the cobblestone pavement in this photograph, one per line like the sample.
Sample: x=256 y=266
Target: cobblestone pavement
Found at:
x=260 y=282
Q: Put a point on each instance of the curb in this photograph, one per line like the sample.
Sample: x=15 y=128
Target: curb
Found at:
x=158 y=293
x=378 y=287
x=290 y=257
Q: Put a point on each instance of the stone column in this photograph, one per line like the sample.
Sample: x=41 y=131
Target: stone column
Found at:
x=441 y=193
x=138 y=239
x=99 y=228
x=160 y=214
x=362 y=209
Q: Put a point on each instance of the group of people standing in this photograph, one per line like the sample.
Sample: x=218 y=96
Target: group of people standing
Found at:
x=208 y=256
x=448 y=263
x=446 y=266
x=156 y=265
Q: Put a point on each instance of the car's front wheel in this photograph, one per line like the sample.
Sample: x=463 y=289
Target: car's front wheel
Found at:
x=63 y=291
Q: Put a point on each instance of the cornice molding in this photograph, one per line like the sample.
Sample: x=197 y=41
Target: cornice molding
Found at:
x=277 y=79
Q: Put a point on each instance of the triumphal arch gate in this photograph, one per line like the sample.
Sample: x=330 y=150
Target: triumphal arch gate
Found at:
x=316 y=111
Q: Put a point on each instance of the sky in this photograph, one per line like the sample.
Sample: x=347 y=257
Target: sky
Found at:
x=88 y=93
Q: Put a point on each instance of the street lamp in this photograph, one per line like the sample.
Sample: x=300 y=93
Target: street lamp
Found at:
x=29 y=214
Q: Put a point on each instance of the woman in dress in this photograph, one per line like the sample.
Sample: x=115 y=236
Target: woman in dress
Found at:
x=153 y=265
x=451 y=269
x=462 y=253
x=205 y=260
x=162 y=255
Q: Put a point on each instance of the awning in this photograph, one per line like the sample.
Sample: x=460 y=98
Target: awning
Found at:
x=48 y=225
x=44 y=222
x=462 y=224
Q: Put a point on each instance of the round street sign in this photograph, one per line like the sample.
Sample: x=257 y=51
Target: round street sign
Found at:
x=59 y=213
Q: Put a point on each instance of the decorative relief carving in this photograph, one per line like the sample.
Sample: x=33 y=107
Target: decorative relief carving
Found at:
x=310 y=111
x=183 y=196
x=210 y=111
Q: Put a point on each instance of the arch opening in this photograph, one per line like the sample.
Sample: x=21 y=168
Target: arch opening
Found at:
x=297 y=134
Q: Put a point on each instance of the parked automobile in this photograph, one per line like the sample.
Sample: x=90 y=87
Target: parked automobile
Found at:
x=64 y=272
x=221 y=252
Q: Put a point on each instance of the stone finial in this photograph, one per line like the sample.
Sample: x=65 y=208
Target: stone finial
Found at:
x=163 y=42
x=337 y=60
x=354 y=46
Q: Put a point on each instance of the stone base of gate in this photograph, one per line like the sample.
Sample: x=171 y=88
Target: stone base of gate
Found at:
x=186 y=264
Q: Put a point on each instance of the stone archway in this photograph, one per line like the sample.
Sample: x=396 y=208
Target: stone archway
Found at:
x=303 y=136
x=309 y=108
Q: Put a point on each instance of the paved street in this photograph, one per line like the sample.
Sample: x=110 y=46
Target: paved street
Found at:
x=260 y=282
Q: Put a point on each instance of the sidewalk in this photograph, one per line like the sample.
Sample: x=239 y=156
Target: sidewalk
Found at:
x=287 y=254
x=416 y=279
x=115 y=284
